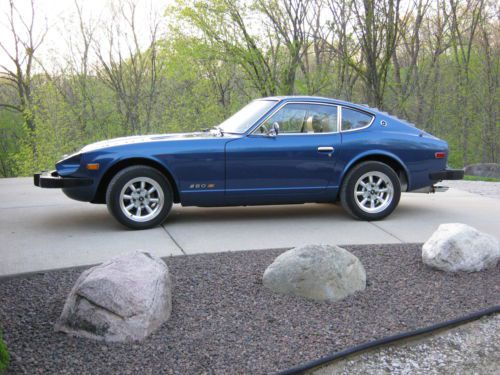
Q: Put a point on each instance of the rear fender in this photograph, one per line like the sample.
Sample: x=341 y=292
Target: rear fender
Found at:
x=377 y=155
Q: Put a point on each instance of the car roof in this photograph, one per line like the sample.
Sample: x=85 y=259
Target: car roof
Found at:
x=362 y=107
x=323 y=99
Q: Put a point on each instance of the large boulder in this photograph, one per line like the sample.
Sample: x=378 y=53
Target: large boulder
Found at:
x=318 y=272
x=459 y=247
x=483 y=170
x=124 y=299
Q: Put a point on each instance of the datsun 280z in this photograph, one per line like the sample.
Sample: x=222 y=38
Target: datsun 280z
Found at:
x=277 y=150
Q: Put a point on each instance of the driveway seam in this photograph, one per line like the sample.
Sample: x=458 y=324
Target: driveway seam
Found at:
x=385 y=231
x=37 y=206
x=173 y=240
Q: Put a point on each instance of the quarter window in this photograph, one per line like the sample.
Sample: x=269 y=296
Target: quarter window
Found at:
x=352 y=119
x=296 y=118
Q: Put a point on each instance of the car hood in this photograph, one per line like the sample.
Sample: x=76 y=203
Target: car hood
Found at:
x=146 y=138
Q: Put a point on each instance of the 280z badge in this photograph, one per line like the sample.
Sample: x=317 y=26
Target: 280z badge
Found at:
x=202 y=186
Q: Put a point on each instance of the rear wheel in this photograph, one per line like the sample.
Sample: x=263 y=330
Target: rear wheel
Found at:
x=139 y=197
x=371 y=191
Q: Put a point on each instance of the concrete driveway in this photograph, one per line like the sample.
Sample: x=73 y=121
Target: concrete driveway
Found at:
x=41 y=229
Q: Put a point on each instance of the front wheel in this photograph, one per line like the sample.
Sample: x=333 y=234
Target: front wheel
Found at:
x=139 y=197
x=371 y=191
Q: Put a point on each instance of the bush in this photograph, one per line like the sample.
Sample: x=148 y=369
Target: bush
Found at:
x=4 y=354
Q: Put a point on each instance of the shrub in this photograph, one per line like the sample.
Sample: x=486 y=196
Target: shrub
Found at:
x=4 y=354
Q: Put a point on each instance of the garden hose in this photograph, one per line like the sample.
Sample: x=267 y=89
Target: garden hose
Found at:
x=389 y=339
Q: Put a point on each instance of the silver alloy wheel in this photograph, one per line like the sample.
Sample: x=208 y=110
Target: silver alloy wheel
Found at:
x=141 y=199
x=373 y=192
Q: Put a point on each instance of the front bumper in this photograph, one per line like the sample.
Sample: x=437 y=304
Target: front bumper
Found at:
x=53 y=180
x=447 y=174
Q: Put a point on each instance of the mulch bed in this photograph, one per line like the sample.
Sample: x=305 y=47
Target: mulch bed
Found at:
x=225 y=322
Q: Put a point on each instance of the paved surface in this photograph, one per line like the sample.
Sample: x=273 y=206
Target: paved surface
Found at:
x=472 y=348
x=42 y=229
x=485 y=188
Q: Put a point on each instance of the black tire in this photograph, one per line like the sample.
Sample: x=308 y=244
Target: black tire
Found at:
x=350 y=191
x=162 y=193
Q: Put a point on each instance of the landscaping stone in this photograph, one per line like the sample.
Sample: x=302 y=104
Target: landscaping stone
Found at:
x=318 y=272
x=458 y=247
x=124 y=299
x=484 y=170
x=225 y=322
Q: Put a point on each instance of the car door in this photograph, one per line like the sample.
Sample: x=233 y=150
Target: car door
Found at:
x=296 y=165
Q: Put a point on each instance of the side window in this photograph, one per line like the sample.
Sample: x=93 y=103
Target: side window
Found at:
x=303 y=118
x=352 y=119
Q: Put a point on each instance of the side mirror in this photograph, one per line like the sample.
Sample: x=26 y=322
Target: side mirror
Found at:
x=274 y=131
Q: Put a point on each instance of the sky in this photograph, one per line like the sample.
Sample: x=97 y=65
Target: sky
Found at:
x=59 y=17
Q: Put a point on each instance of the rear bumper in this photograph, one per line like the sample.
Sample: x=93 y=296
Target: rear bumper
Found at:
x=447 y=174
x=52 y=180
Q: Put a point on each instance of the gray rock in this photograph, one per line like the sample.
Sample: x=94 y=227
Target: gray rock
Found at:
x=483 y=170
x=458 y=247
x=124 y=299
x=318 y=272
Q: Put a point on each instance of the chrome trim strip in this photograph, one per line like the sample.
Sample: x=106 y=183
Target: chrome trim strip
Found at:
x=339 y=118
x=252 y=132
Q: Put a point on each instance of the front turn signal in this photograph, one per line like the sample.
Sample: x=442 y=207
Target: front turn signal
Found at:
x=93 y=166
x=440 y=155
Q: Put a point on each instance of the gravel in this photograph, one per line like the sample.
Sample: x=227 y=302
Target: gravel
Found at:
x=225 y=322
x=471 y=348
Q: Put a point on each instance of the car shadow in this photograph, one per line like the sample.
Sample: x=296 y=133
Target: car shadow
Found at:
x=96 y=218
x=262 y=213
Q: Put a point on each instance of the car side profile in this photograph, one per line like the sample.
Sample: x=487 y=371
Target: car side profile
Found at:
x=276 y=150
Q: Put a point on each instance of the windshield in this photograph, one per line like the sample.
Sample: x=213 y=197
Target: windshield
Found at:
x=242 y=120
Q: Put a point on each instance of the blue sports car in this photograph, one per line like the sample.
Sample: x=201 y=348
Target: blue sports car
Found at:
x=277 y=150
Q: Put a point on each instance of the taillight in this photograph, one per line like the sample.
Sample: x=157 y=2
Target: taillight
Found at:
x=440 y=155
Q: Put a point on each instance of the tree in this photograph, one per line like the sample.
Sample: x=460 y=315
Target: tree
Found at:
x=407 y=80
x=343 y=47
x=436 y=63
x=19 y=77
x=377 y=28
x=131 y=72
x=489 y=74
x=222 y=24
x=288 y=20
x=464 y=23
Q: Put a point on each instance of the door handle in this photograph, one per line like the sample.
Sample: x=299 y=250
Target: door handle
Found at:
x=325 y=149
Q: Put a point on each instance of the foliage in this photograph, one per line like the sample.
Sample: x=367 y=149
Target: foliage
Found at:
x=479 y=178
x=4 y=355
x=434 y=63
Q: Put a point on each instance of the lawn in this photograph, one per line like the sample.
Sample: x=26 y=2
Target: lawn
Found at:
x=479 y=178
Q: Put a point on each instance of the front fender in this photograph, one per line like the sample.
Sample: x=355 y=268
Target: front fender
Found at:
x=114 y=163
x=134 y=159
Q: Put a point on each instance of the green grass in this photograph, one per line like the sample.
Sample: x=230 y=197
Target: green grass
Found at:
x=4 y=355
x=479 y=178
